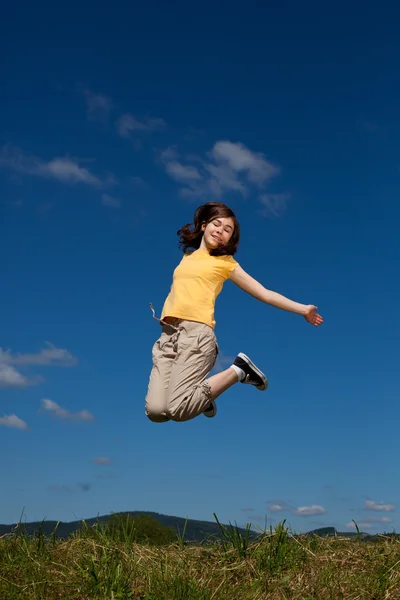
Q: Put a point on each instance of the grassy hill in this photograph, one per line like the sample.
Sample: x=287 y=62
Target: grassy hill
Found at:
x=196 y=531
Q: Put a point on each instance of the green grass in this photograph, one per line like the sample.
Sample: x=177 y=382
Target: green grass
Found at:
x=100 y=566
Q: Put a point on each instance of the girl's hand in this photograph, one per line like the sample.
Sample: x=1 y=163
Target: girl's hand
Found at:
x=311 y=316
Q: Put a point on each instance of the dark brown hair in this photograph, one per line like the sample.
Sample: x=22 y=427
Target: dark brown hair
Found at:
x=190 y=235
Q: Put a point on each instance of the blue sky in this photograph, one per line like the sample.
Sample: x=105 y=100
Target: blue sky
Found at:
x=115 y=124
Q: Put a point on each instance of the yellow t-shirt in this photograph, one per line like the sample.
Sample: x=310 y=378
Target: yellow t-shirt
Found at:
x=197 y=281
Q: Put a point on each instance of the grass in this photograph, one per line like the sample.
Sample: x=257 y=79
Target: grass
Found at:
x=275 y=566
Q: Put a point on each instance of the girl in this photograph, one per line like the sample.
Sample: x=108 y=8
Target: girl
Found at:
x=187 y=349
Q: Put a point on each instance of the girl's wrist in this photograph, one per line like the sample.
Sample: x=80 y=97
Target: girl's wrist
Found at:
x=303 y=310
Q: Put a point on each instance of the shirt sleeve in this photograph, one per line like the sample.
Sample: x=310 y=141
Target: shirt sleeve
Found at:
x=231 y=265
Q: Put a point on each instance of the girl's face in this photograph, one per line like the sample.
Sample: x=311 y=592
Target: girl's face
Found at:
x=217 y=232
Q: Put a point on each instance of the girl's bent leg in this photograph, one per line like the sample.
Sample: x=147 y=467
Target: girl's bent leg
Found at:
x=190 y=393
x=220 y=382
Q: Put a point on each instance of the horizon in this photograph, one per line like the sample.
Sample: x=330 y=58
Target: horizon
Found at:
x=254 y=528
x=115 y=125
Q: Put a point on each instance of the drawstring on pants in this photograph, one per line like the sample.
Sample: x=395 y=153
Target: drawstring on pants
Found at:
x=160 y=320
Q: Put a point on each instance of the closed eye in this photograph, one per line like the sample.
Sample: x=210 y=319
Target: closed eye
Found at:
x=227 y=228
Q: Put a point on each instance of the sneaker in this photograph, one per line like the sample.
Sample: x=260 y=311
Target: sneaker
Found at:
x=253 y=375
x=211 y=410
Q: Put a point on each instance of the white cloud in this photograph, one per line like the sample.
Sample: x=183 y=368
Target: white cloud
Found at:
x=228 y=167
x=98 y=105
x=276 y=508
x=64 y=414
x=128 y=125
x=13 y=421
x=277 y=505
x=49 y=356
x=102 y=460
x=378 y=506
x=110 y=201
x=182 y=173
x=68 y=171
x=63 y=169
x=274 y=205
x=308 y=511
x=10 y=377
x=239 y=158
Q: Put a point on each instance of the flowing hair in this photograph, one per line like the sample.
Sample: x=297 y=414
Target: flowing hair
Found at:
x=190 y=235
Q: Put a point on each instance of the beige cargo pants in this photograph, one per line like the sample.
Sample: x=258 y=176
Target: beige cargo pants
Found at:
x=183 y=356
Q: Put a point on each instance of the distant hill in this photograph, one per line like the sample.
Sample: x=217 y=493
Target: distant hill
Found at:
x=196 y=531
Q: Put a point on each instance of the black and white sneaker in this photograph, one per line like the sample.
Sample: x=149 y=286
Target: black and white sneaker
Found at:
x=253 y=375
x=211 y=410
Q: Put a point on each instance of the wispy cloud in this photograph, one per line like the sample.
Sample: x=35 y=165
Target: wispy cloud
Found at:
x=102 y=460
x=378 y=506
x=63 y=169
x=227 y=167
x=98 y=105
x=247 y=509
x=128 y=125
x=273 y=205
x=48 y=356
x=111 y=201
x=240 y=159
x=13 y=421
x=277 y=505
x=186 y=174
x=11 y=378
x=276 y=508
x=65 y=415
x=308 y=511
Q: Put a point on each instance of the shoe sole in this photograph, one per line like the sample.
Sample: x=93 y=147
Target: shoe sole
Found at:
x=256 y=370
x=210 y=414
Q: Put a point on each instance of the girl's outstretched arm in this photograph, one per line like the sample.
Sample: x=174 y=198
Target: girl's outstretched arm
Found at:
x=254 y=288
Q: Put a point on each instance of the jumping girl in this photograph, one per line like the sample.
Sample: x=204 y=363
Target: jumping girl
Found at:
x=186 y=351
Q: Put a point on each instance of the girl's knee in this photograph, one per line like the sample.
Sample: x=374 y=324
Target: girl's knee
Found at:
x=156 y=416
